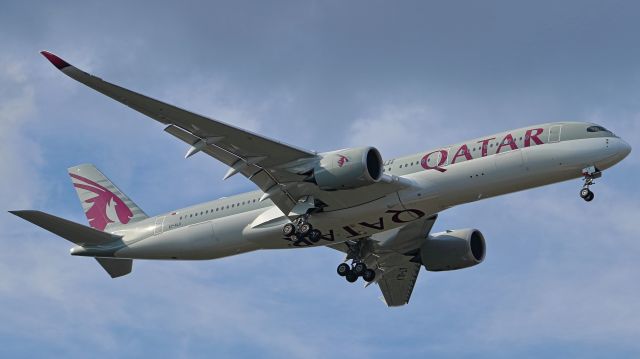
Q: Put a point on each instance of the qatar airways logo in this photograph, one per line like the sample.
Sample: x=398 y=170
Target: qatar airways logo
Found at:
x=106 y=207
x=342 y=160
x=436 y=159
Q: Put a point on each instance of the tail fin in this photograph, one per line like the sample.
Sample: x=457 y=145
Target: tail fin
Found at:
x=103 y=203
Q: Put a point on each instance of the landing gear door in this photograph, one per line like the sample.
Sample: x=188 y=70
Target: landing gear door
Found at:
x=554 y=133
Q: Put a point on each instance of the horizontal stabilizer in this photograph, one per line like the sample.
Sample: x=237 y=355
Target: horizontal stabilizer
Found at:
x=71 y=231
x=116 y=267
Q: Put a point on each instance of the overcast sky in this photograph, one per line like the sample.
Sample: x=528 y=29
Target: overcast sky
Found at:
x=561 y=275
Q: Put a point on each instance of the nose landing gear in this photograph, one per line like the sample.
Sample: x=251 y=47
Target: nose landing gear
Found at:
x=590 y=173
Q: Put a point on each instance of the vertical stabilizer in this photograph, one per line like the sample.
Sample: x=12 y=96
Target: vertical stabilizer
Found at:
x=102 y=202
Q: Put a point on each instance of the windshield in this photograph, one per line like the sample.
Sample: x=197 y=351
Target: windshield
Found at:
x=596 y=129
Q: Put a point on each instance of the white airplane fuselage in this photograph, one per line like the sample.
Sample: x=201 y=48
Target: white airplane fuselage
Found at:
x=440 y=178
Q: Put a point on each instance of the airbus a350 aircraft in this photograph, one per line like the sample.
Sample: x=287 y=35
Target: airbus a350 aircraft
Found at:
x=379 y=213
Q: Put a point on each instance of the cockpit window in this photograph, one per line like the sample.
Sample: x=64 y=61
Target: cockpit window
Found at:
x=596 y=129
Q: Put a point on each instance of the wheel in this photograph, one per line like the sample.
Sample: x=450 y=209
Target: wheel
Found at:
x=315 y=235
x=584 y=193
x=351 y=277
x=589 y=197
x=343 y=269
x=288 y=230
x=369 y=275
x=305 y=228
x=359 y=269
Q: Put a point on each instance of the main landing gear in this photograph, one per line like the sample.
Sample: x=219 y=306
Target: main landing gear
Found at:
x=357 y=251
x=355 y=270
x=301 y=228
x=590 y=173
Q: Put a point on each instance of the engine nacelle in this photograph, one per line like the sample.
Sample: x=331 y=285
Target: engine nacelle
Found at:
x=348 y=168
x=452 y=250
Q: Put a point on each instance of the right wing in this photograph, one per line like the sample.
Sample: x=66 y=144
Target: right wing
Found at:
x=278 y=169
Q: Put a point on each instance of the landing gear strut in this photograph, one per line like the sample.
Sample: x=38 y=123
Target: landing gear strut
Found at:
x=590 y=173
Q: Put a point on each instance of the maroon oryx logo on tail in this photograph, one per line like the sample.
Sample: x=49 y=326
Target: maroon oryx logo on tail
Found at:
x=103 y=204
x=342 y=160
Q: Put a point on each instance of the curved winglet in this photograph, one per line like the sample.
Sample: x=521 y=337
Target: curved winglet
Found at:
x=55 y=60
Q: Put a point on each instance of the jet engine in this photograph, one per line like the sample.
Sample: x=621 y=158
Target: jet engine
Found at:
x=348 y=168
x=452 y=250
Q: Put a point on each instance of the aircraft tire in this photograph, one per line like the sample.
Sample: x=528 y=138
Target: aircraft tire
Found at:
x=359 y=269
x=590 y=197
x=369 y=275
x=288 y=230
x=343 y=269
x=315 y=235
x=305 y=228
x=351 y=277
x=585 y=193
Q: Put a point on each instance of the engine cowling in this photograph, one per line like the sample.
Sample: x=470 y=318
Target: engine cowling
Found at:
x=348 y=168
x=452 y=250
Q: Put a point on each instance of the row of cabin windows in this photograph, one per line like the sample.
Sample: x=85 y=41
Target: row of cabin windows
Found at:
x=472 y=150
x=222 y=208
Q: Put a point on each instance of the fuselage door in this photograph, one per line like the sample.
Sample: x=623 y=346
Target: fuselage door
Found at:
x=158 y=227
x=554 y=133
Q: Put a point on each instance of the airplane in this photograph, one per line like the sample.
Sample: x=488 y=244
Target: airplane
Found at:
x=379 y=213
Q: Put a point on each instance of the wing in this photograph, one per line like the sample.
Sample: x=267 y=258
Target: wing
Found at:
x=278 y=169
x=394 y=255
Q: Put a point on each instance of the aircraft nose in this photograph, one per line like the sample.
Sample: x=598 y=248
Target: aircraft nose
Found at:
x=624 y=149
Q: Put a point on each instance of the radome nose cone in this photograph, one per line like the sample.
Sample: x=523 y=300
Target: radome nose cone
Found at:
x=625 y=149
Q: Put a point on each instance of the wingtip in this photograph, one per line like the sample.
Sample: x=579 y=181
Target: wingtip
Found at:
x=55 y=60
x=21 y=212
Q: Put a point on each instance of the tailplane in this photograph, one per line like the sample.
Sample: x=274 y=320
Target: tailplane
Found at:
x=82 y=236
x=102 y=202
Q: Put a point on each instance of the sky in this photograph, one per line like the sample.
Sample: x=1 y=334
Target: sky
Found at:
x=561 y=275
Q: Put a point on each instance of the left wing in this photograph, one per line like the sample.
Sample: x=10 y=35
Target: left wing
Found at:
x=394 y=254
x=278 y=169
